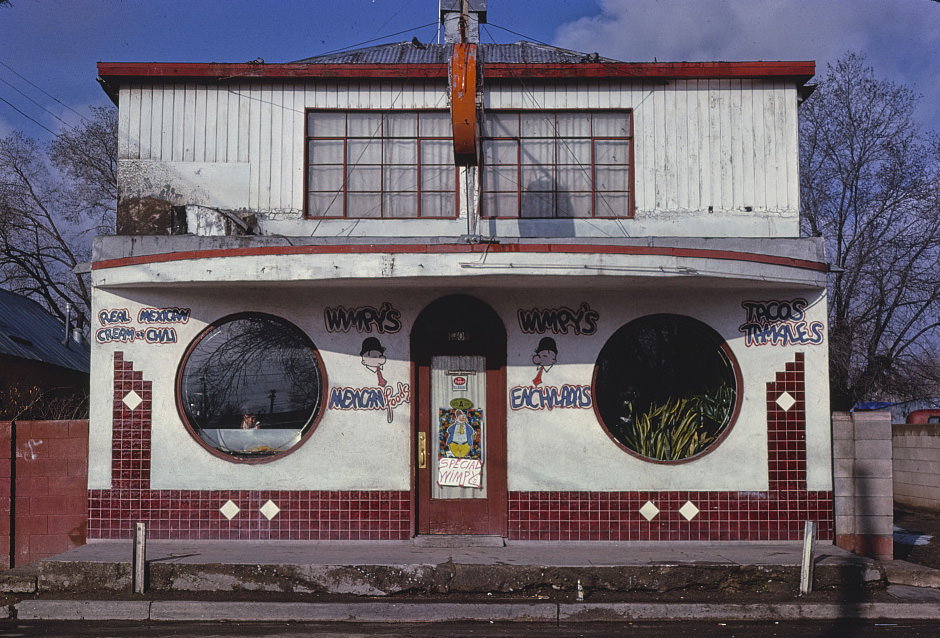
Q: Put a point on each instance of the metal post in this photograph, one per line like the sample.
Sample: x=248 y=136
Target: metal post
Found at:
x=140 y=556
x=809 y=548
x=68 y=322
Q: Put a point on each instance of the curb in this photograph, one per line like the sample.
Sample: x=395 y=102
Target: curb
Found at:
x=193 y=611
x=92 y=579
x=899 y=572
x=82 y=610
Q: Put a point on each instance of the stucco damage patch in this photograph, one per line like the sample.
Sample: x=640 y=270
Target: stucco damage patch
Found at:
x=153 y=216
x=214 y=184
x=155 y=196
x=145 y=216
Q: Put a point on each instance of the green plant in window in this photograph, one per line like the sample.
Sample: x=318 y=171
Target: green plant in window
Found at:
x=679 y=427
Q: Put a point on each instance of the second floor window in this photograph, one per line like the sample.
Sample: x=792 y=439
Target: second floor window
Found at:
x=568 y=164
x=373 y=164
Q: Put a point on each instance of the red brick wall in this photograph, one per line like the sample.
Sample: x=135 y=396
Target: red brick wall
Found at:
x=6 y=466
x=49 y=513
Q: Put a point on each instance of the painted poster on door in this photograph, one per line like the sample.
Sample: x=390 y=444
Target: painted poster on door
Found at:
x=460 y=458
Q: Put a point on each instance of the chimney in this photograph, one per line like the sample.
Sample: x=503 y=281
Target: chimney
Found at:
x=451 y=17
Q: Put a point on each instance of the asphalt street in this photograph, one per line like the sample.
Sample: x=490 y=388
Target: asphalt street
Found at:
x=827 y=629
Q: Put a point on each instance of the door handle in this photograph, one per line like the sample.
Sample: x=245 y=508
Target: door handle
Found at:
x=422 y=450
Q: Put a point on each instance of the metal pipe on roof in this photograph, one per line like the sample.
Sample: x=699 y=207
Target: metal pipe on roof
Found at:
x=68 y=322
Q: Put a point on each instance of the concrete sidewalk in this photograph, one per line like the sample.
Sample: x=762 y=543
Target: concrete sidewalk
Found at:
x=409 y=568
x=518 y=581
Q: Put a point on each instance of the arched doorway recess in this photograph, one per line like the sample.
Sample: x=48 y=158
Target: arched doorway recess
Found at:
x=458 y=349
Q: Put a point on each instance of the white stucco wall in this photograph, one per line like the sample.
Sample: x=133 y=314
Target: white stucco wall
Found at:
x=560 y=449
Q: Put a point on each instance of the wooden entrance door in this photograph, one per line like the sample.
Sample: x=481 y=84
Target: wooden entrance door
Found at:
x=459 y=352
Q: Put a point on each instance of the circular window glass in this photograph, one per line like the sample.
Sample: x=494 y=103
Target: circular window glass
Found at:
x=251 y=387
x=666 y=387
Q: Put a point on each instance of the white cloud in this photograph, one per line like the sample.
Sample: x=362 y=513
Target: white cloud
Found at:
x=900 y=39
x=5 y=128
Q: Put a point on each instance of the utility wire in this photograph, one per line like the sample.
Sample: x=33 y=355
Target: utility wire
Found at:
x=39 y=88
x=402 y=8
x=34 y=102
x=358 y=44
x=36 y=122
x=44 y=92
x=522 y=35
x=586 y=170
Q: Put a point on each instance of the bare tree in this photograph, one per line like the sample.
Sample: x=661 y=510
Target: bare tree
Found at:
x=87 y=155
x=53 y=199
x=869 y=186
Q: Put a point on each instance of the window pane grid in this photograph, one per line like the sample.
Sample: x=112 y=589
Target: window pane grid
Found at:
x=568 y=164
x=372 y=164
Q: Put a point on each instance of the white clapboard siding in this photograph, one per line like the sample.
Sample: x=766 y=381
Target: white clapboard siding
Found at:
x=724 y=144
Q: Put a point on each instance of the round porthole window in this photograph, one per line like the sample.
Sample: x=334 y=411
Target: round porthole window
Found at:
x=666 y=388
x=251 y=387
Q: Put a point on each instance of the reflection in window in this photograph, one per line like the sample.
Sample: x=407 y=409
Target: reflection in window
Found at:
x=251 y=386
x=556 y=164
x=665 y=387
x=380 y=164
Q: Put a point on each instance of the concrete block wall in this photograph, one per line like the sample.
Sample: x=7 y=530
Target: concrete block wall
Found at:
x=43 y=489
x=863 y=491
x=917 y=465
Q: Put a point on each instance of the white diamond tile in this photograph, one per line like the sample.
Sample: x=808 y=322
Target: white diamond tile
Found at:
x=132 y=400
x=649 y=511
x=689 y=511
x=270 y=510
x=229 y=510
x=785 y=401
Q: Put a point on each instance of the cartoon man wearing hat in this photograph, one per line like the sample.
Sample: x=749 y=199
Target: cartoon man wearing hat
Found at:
x=545 y=356
x=460 y=435
x=373 y=357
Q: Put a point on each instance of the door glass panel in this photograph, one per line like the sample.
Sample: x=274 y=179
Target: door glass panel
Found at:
x=458 y=427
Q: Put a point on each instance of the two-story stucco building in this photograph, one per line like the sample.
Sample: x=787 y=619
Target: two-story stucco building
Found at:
x=498 y=289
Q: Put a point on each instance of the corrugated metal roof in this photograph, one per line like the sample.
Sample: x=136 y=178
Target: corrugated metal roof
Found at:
x=397 y=53
x=28 y=331
x=411 y=53
x=531 y=53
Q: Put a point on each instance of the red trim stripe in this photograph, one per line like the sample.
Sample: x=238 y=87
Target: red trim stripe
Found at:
x=130 y=71
x=802 y=71
x=352 y=249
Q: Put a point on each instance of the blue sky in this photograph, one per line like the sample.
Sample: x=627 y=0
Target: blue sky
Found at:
x=49 y=48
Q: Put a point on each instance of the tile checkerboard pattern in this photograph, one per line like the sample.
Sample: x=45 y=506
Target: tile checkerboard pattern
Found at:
x=777 y=514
